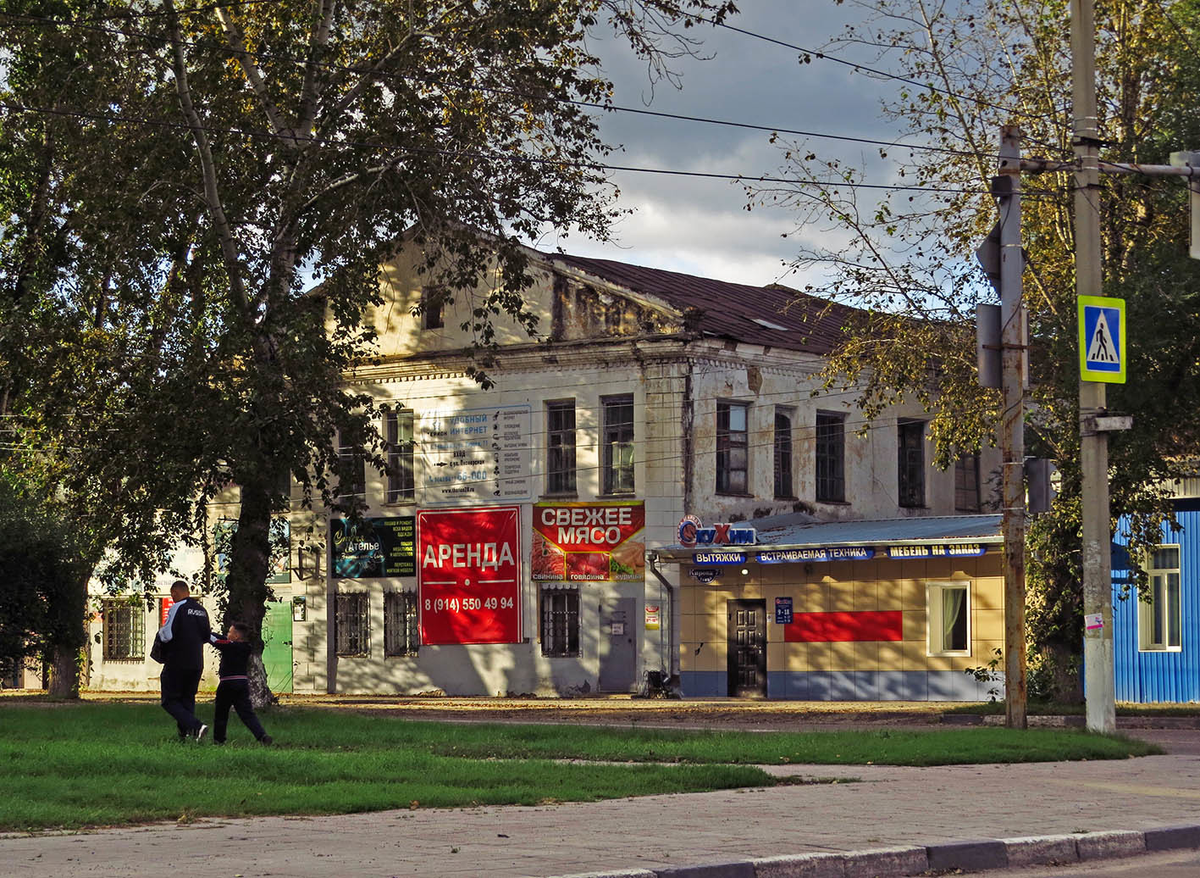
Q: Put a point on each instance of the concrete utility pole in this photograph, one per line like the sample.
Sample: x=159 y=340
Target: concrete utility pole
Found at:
x=1013 y=335
x=1093 y=446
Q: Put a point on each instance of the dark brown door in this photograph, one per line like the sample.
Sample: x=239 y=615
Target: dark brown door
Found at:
x=747 y=649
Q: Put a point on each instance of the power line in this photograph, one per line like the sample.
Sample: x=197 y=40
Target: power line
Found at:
x=606 y=107
x=470 y=154
x=883 y=73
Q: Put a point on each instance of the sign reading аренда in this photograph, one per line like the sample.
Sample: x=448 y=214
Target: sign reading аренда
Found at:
x=470 y=575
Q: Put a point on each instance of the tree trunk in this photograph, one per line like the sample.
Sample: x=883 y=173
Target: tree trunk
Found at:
x=1065 y=681
x=249 y=565
x=64 y=673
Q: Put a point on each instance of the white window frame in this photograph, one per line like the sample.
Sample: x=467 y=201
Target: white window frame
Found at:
x=934 y=614
x=1159 y=607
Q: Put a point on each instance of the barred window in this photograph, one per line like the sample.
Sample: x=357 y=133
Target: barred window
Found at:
x=400 y=633
x=124 y=631
x=560 y=622
x=352 y=624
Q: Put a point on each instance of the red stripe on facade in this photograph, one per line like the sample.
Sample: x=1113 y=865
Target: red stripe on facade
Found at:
x=844 y=627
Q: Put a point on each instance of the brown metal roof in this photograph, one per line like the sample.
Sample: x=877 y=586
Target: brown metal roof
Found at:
x=729 y=310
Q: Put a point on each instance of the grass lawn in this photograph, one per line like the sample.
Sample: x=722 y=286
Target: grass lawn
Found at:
x=77 y=765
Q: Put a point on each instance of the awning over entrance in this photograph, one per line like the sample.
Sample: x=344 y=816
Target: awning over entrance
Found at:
x=797 y=537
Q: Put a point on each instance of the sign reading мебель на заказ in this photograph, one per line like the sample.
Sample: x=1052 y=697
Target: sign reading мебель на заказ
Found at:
x=470 y=575
x=939 y=550
x=373 y=547
x=588 y=542
x=475 y=455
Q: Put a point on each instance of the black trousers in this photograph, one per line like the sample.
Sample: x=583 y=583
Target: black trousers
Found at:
x=179 y=687
x=235 y=693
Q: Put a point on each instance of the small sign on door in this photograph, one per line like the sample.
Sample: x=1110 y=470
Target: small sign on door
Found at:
x=618 y=628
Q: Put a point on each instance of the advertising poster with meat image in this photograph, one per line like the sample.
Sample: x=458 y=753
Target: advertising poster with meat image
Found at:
x=589 y=542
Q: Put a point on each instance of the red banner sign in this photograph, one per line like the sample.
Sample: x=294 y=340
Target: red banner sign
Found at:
x=164 y=607
x=470 y=575
x=588 y=542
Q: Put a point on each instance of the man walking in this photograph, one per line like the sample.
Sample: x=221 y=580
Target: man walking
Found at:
x=186 y=631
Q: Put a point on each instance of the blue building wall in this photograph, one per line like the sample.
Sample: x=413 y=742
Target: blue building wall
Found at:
x=1159 y=675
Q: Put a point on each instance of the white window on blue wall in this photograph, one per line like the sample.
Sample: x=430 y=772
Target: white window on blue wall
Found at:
x=1160 y=615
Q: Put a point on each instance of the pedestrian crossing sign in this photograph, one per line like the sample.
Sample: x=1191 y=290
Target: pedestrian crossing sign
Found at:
x=1102 y=351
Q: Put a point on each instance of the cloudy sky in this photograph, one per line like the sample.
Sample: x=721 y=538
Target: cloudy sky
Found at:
x=701 y=226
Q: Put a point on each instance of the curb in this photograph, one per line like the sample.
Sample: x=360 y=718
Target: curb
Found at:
x=969 y=855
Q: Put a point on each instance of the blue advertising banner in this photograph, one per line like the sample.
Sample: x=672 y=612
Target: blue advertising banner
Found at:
x=816 y=553
x=374 y=547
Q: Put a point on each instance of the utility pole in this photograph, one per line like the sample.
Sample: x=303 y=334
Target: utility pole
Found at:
x=1093 y=445
x=1013 y=336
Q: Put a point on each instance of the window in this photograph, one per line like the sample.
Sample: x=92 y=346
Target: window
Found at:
x=354 y=467
x=352 y=624
x=398 y=432
x=1160 y=617
x=400 y=633
x=560 y=447
x=949 y=609
x=911 y=444
x=966 y=483
x=617 y=455
x=124 y=631
x=433 y=299
x=783 y=454
x=560 y=622
x=732 y=447
x=831 y=457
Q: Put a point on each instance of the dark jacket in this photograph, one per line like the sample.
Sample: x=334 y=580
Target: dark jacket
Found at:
x=235 y=657
x=185 y=633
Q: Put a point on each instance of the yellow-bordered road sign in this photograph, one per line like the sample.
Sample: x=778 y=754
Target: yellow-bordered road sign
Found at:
x=1102 y=352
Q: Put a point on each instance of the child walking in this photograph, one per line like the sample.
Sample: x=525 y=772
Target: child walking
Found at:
x=234 y=688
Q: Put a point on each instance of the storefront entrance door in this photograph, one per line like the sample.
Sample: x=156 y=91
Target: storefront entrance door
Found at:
x=618 y=645
x=747 y=633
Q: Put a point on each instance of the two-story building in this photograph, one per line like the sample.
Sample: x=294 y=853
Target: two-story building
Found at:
x=507 y=549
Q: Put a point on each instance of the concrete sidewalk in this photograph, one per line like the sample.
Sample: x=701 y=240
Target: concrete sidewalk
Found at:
x=886 y=807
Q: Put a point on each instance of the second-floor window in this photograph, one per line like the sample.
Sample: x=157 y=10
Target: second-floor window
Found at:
x=617 y=453
x=911 y=446
x=732 y=447
x=354 y=467
x=966 y=483
x=560 y=447
x=398 y=432
x=831 y=457
x=783 y=454
x=432 y=301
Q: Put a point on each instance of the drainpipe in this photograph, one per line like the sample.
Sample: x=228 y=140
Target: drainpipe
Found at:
x=674 y=620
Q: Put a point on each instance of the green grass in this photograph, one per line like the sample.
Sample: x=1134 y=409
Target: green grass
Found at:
x=78 y=765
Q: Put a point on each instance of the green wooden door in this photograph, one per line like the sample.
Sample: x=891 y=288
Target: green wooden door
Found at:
x=277 y=645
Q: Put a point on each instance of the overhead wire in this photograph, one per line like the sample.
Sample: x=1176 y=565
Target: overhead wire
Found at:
x=606 y=107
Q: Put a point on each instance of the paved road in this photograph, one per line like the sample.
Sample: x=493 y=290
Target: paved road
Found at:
x=1176 y=864
x=887 y=806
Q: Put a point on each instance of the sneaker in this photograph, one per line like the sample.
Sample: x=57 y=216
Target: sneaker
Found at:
x=266 y=739
x=200 y=732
